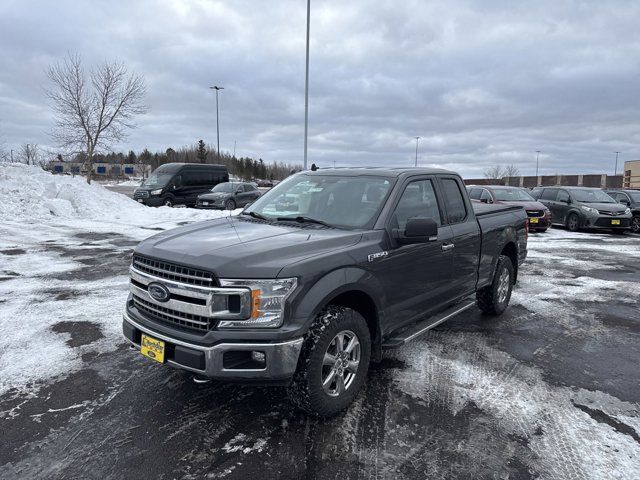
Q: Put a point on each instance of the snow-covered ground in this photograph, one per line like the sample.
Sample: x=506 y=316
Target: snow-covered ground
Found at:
x=56 y=224
x=541 y=392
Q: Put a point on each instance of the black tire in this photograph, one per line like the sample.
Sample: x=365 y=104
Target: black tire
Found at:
x=306 y=390
x=635 y=224
x=167 y=202
x=573 y=222
x=230 y=204
x=493 y=299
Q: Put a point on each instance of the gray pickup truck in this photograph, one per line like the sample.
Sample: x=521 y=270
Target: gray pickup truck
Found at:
x=317 y=277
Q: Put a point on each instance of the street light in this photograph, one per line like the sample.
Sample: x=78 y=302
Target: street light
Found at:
x=306 y=87
x=615 y=172
x=537 y=163
x=417 y=138
x=217 y=89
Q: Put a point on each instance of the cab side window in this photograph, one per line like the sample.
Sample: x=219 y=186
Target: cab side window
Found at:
x=563 y=196
x=456 y=208
x=417 y=200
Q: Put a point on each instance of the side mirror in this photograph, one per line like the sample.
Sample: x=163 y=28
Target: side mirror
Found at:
x=569 y=201
x=417 y=230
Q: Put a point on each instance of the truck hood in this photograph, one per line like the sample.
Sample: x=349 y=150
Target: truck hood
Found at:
x=244 y=248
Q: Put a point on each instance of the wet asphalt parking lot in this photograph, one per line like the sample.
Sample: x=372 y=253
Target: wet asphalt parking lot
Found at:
x=549 y=390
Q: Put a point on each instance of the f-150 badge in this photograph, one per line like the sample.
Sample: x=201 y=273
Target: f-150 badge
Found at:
x=374 y=256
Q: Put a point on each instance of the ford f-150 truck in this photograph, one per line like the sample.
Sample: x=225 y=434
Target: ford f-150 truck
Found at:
x=318 y=276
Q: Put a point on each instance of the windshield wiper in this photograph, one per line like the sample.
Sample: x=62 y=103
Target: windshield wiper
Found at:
x=304 y=219
x=254 y=215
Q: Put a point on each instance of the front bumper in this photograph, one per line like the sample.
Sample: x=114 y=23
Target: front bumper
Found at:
x=223 y=361
x=620 y=222
x=155 y=201
x=539 y=223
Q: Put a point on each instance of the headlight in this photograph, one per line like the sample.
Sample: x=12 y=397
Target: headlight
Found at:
x=267 y=302
x=589 y=209
x=627 y=211
x=156 y=192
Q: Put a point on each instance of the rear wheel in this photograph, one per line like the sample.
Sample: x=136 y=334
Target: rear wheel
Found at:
x=494 y=298
x=333 y=362
x=573 y=222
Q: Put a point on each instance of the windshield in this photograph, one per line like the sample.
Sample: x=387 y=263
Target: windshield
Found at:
x=350 y=202
x=512 y=195
x=591 y=196
x=158 y=179
x=224 y=187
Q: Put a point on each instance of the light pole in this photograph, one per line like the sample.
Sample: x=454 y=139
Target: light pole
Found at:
x=217 y=89
x=417 y=139
x=306 y=87
x=615 y=172
x=537 y=163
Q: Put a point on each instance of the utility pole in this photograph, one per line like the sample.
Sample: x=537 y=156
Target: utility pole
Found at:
x=417 y=139
x=234 y=149
x=537 y=163
x=306 y=87
x=615 y=172
x=217 y=89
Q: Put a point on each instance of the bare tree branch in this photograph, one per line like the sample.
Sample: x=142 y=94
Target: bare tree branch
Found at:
x=90 y=117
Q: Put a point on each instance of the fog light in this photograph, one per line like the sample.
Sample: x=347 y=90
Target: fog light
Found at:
x=258 y=357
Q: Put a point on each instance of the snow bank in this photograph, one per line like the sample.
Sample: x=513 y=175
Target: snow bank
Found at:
x=28 y=193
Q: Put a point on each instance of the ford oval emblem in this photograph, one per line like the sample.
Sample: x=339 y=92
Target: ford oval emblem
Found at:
x=158 y=292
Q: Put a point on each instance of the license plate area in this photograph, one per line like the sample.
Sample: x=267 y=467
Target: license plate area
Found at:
x=152 y=348
x=533 y=220
x=615 y=222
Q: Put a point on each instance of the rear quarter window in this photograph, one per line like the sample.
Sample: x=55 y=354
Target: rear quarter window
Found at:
x=454 y=201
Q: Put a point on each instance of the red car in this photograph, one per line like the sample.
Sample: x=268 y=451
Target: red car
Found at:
x=539 y=215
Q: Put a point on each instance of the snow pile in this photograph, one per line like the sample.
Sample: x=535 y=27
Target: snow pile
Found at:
x=28 y=193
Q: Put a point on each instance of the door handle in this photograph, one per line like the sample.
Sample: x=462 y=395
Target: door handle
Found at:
x=448 y=246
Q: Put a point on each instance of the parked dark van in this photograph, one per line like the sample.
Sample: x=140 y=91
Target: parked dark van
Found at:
x=582 y=207
x=630 y=198
x=179 y=183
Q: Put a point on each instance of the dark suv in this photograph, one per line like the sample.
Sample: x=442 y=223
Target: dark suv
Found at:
x=229 y=195
x=582 y=207
x=630 y=198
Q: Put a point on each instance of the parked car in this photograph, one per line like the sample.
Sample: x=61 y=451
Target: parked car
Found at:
x=370 y=259
x=539 y=215
x=630 y=198
x=582 y=207
x=265 y=183
x=179 y=183
x=229 y=195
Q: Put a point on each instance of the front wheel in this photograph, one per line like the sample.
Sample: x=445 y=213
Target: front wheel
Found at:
x=635 y=224
x=230 y=204
x=333 y=362
x=168 y=202
x=494 y=298
x=573 y=222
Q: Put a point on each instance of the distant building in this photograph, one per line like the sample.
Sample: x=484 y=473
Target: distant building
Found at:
x=631 y=174
x=101 y=169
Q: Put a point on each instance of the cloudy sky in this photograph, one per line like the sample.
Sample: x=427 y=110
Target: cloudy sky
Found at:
x=482 y=82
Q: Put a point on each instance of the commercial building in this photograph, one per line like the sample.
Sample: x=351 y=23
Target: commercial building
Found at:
x=631 y=174
x=101 y=169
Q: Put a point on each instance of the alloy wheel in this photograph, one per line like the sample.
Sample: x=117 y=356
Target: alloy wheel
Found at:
x=340 y=363
x=635 y=225
x=503 y=285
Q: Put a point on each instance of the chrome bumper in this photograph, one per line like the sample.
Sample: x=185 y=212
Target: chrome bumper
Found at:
x=281 y=359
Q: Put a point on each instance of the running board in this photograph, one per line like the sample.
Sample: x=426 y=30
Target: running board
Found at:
x=405 y=335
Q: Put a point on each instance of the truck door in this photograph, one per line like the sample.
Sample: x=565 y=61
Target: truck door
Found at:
x=465 y=244
x=416 y=277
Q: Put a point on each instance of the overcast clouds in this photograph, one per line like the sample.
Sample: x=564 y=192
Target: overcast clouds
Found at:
x=482 y=82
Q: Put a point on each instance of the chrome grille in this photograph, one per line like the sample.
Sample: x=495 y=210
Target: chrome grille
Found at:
x=610 y=214
x=169 y=315
x=176 y=273
x=141 y=194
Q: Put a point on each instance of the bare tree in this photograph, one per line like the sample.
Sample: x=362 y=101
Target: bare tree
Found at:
x=30 y=154
x=511 y=171
x=494 y=172
x=92 y=115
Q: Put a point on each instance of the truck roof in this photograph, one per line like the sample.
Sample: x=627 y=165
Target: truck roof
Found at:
x=378 y=171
